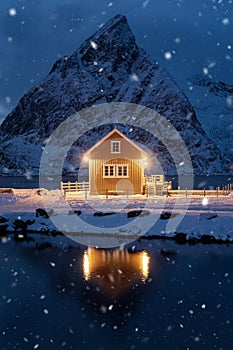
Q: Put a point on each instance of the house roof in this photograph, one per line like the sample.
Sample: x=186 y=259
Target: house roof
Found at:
x=115 y=130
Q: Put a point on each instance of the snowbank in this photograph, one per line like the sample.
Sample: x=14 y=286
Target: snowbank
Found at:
x=22 y=214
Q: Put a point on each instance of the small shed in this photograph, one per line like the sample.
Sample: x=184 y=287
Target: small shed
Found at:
x=116 y=165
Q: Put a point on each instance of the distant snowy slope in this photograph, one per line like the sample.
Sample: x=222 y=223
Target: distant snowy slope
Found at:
x=213 y=103
x=108 y=67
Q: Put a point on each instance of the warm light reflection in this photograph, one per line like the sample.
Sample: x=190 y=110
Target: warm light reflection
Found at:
x=116 y=269
x=145 y=265
x=86 y=266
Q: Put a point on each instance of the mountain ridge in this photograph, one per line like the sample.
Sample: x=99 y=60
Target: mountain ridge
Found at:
x=107 y=67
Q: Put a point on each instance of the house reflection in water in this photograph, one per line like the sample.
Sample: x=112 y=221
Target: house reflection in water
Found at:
x=115 y=270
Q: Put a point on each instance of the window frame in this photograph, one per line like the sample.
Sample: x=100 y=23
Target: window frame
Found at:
x=115 y=171
x=112 y=146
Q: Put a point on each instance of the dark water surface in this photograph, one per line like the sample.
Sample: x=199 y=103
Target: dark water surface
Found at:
x=53 y=182
x=159 y=296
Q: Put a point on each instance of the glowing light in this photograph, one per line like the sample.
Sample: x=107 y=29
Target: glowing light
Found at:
x=86 y=266
x=85 y=159
x=145 y=265
x=145 y=162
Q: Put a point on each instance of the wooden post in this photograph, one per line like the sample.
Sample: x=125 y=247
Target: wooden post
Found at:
x=106 y=194
x=147 y=191
x=204 y=193
x=85 y=194
x=69 y=186
x=217 y=191
x=167 y=194
x=186 y=192
x=62 y=185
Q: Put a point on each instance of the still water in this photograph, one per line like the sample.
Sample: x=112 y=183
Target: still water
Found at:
x=153 y=295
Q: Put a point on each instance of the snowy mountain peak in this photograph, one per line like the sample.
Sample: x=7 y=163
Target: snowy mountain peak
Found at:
x=107 y=67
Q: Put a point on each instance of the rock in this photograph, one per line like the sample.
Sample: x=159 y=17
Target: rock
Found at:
x=3 y=219
x=74 y=212
x=139 y=212
x=3 y=229
x=100 y=213
x=44 y=213
x=207 y=216
x=180 y=238
x=165 y=216
x=208 y=239
x=6 y=190
x=20 y=225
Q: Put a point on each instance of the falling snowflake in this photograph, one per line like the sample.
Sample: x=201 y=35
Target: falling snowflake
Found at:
x=145 y=3
x=229 y=100
x=134 y=77
x=12 y=11
x=205 y=70
x=168 y=55
x=28 y=175
x=225 y=21
x=94 y=45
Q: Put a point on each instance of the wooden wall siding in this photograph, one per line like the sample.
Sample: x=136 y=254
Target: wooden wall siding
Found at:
x=132 y=184
x=128 y=155
x=103 y=151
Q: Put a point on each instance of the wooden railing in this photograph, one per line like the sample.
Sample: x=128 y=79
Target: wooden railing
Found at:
x=201 y=193
x=74 y=186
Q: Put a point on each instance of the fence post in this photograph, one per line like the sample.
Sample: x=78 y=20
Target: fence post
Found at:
x=69 y=186
x=186 y=192
x=217 y=191
x=167 y=194
x=62 y=185
x=204 y=192
x=106 y=194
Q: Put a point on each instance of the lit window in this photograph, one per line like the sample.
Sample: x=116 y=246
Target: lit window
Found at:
x=122 y=170
x=109 y=170
x=115 y=170
x=115 y=146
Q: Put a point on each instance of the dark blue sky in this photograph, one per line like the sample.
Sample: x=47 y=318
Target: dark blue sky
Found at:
x=34 y=34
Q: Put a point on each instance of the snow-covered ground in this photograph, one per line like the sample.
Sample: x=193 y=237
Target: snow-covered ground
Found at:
x=201 y=217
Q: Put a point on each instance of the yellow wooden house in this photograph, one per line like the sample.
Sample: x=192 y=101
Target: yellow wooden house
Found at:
x=116 y=165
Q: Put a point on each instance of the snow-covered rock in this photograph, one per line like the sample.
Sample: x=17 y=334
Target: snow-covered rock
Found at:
x=107 y=67
x=213 y=103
